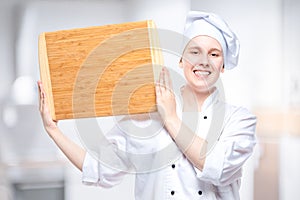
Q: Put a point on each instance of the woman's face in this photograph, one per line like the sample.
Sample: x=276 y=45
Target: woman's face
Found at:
x=202 y=62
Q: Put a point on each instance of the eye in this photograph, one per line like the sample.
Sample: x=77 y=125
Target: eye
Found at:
x=195 y=52
x=215 y=54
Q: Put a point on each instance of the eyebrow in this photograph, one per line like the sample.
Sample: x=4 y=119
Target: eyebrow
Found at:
x=193 y=47
x=215 y=49
x=210 y=50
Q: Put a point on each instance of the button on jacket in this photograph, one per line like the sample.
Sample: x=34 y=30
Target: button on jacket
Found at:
x=162 y=171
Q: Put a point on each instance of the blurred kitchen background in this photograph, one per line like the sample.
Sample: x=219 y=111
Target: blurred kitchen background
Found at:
x=267 y=81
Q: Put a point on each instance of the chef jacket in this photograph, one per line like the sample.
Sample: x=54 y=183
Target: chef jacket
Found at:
x=162 y=171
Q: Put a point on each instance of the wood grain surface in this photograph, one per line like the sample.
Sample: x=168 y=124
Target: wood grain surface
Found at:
x=100 y=71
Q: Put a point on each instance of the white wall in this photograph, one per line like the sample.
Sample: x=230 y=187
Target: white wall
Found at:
x=291 y=49
x=289 y=176
x=7 y=22
x=289 y=179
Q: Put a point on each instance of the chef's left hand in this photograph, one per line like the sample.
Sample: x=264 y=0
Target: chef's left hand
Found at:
x=165 y=98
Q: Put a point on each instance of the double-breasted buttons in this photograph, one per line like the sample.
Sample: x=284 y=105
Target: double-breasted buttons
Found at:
x=173 y=167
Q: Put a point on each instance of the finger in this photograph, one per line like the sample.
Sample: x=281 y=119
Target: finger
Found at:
x=168 y=79
x=161 y=81
x=40 y=95
x=164 y=77
x=41 y=87
x=157 y=88
x=43 y=97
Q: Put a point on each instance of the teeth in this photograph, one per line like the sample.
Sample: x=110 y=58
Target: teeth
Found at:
x=201 y=73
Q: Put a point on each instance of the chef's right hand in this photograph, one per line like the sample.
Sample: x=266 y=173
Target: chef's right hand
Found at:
x=49 y=124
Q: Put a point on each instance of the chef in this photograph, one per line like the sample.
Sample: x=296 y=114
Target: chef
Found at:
x=196 y=153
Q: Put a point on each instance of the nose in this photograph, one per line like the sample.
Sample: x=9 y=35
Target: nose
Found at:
x=202 y=60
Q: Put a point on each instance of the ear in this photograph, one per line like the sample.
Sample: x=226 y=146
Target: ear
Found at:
x=180 y=63
x=223 y=69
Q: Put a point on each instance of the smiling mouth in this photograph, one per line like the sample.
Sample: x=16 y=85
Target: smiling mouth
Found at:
x=201 y=72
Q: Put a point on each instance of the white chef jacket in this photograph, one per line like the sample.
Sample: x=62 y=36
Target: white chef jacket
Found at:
x=175 y=177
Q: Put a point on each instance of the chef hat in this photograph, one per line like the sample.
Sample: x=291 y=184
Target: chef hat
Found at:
x=201 y=23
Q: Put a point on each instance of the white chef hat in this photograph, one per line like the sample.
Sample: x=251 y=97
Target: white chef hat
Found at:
x=202 y=23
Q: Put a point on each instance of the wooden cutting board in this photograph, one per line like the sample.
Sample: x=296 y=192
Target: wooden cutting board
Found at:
x=100 y=71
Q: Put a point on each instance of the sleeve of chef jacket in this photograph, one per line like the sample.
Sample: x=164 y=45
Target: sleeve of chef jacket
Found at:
x=224 y=162
x=112 y=165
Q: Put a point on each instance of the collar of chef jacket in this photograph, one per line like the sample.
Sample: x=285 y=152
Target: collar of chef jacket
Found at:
x=208 y=123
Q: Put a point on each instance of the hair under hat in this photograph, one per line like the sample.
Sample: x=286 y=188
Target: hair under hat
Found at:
x=202 y=23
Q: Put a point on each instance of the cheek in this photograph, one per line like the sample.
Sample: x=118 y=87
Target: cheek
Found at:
x=218 y=65
x=184 y=64
x=188 y=59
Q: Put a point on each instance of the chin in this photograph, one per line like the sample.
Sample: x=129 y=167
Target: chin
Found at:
x=201 y=88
